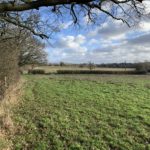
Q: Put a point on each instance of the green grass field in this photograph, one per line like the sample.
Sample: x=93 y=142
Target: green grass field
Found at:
x=83 y=113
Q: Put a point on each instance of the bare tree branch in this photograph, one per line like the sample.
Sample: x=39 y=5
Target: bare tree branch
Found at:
x=8 y=6
x=131 y=10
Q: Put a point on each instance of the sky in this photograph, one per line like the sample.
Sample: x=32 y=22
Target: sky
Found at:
x=110 y=42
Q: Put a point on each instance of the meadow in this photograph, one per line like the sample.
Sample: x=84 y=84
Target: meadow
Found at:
x=83 y=112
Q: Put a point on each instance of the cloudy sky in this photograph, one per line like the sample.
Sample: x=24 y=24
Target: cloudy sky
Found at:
x=110 y=42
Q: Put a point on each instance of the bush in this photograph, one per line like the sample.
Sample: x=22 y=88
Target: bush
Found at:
x=36 y=71
x=62 y=64
x=142 y=68
x=9 y=72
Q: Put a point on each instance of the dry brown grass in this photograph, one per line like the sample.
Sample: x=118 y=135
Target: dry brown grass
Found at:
x=53 y=69
x=6 y=124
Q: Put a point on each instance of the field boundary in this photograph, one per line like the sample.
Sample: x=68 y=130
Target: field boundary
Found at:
x=98 y=72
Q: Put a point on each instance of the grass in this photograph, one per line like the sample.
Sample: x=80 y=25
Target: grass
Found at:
x=54 y=69
x=3 y=143
x=6 y=123
x=83 y=113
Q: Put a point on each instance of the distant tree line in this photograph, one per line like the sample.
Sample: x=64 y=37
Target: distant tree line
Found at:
x=105 y=65
x=142 y=67
x=117 y=65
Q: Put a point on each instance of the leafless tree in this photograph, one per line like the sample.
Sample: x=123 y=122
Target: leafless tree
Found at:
x=91 y=65
x=11 y=40
x=16 y=12
x=143 y=67
x=32 y=52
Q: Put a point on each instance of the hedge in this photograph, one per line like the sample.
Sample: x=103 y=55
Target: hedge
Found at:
x=95 y=72
x=36 y=71
x=9 y=71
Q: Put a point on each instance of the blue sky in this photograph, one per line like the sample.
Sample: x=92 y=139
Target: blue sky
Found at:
x=110 y=42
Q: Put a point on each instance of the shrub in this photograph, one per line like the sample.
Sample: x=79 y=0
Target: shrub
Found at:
x=142 y=68
x=62 y=64
x=9 y=72
x=36 y=71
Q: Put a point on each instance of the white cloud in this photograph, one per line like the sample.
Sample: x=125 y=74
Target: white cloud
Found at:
x=111 y=31
x=80 y=39
x=66 y=25
x=147 y=5
x=111 y=42
x=145 y=26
